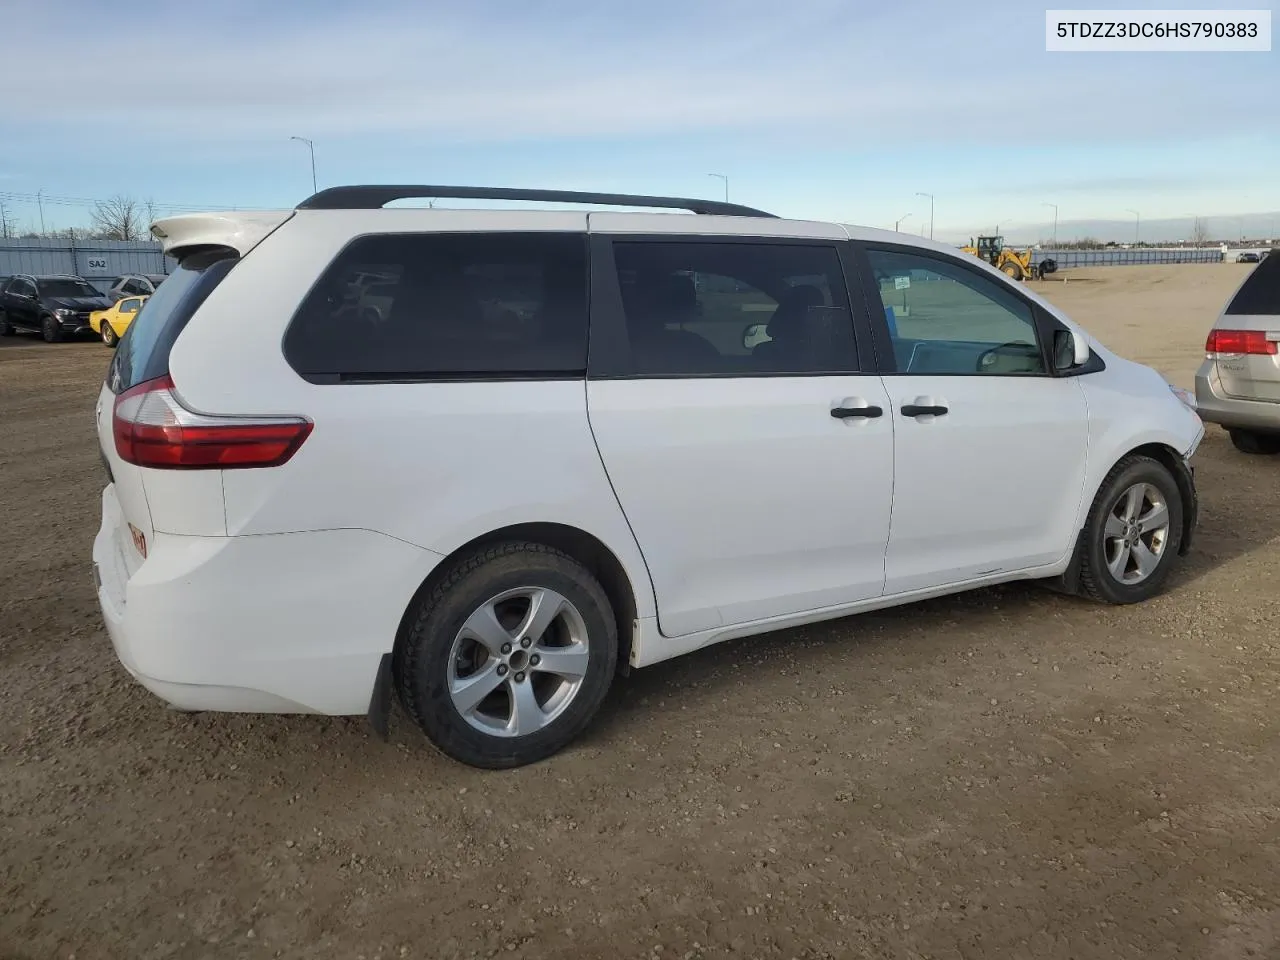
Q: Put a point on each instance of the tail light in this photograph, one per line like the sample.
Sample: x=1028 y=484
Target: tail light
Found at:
x=153 y=429
x=1239 y=341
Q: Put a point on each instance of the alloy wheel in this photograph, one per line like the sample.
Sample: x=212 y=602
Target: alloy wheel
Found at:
x=518 y=661
x=1136 y=533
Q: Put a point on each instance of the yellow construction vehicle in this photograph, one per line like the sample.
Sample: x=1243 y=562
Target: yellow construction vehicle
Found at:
x=1017 y=265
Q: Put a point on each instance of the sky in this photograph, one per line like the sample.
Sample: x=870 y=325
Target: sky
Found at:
x=828 y=109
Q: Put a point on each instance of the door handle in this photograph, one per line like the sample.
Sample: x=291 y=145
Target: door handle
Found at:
x=922 y=410
x=846 y=413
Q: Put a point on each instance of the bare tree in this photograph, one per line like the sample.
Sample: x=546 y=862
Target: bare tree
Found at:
x=1199 y=232
x=118 y=218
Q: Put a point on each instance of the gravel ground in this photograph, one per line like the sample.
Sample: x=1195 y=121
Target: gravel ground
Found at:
x=1005 y=774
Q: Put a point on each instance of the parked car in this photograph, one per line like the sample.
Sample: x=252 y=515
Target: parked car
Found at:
x=1248 y=256
x=313 y=501
x=110 y=324
x=135 y=284
x=1238 y=383
x=56 y=307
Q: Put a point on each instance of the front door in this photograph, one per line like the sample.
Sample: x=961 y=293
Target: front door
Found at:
x=990 y=451
x=752 y=457
x=25 y=304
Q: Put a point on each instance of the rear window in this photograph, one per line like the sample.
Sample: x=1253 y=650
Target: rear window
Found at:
x=1260 y=293
x=445 y=306
x=143 y=353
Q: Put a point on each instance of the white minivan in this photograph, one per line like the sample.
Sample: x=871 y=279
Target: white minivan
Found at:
x=487 y=458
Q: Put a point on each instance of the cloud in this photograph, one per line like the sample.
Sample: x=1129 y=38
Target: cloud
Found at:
x=807 y=76
x=1118 y=184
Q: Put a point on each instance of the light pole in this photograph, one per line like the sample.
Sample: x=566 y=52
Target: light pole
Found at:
x=1137 y=225
x=1055 y=220
x=930 y=196
x=311 y=147
x=40 y=204
x=725 y=178
x=898 y=221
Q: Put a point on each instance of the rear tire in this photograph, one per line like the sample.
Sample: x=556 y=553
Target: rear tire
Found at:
x=1253 y=442
x=468 y=634
x=108 y=334
x=51 y=330
x=1133 y=533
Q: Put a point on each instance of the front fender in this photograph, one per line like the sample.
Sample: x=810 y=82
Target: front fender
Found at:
x=1132 y=410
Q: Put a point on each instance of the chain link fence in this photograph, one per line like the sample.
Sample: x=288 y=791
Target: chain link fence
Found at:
x=1069 y=259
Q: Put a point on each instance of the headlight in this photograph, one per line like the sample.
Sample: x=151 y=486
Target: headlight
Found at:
x=62 y=313
x=1186 y=396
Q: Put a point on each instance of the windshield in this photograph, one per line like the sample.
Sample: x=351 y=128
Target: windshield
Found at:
x=66 y=288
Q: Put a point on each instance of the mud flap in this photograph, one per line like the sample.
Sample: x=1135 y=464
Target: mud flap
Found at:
x=380 y=701
x=1185 y=475
x=1068 y=582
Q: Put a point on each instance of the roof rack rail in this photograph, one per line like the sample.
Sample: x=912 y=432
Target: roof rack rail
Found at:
x=372 y=197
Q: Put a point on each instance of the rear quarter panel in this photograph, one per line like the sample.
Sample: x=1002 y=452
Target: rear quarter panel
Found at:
x=433 y=464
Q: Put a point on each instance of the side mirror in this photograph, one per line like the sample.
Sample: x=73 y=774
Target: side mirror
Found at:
x=755 y=334
x=1069 y=350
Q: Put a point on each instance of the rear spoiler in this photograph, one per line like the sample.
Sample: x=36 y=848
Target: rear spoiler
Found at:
x=241 y=231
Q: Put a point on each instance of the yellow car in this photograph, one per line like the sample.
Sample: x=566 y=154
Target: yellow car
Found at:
x=111 y=323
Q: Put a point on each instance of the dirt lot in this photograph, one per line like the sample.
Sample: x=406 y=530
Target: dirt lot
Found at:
x=1005 y=774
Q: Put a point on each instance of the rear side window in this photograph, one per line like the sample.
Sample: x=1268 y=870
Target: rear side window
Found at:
x=734 y=309
x=143 y=353
x=1260 y=293
x=446 y=306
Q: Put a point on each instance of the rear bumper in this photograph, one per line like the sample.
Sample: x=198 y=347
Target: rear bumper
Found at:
x=287 y=623
x=1214 y=406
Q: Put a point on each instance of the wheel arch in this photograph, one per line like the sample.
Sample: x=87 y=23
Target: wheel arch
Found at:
x=582 y=546
x=1172 y=461
x=1168 y=457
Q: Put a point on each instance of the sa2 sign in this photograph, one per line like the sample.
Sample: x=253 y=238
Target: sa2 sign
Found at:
x=96 y=263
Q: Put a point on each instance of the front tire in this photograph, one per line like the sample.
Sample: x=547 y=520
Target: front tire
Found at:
x=1012 y=270
x=1252 y=442
x=109 y=334
x=6 y=330
x=1133 y=533
x=51 y=329
x=508 y=657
